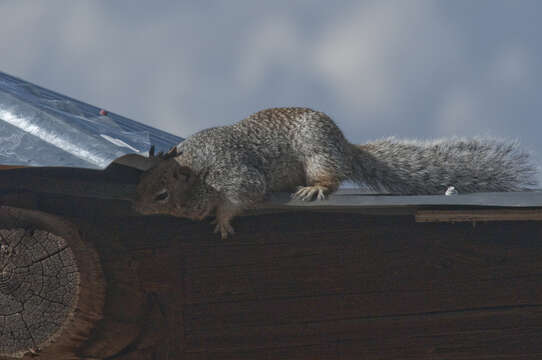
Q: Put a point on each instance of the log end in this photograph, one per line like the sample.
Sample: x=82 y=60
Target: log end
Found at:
x=51 y=287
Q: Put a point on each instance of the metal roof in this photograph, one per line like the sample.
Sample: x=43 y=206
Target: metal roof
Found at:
x=39 y=127
x=345 y=198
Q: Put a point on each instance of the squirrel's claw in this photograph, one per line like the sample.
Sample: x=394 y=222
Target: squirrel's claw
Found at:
x=307 y=193
x=225 y=229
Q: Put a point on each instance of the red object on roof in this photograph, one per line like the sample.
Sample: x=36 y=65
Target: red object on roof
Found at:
x=103 y=112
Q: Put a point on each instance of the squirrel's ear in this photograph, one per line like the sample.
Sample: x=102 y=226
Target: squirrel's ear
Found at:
x=183 y=173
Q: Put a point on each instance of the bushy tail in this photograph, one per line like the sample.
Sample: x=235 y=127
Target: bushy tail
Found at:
x=429 y=167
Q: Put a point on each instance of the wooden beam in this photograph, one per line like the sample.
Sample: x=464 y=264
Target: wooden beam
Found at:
x=479 y=215
x=9 y=167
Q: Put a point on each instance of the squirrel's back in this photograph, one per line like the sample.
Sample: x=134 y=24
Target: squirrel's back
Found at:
x=277 y=142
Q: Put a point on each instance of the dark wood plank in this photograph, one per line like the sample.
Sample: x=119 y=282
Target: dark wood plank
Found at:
x=321 y=352
x=411 y=258
x=479 y=215
x=488 y=332
x=206 y=318
x=414 y=291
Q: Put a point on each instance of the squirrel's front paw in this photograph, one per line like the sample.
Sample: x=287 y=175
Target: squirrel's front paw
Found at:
x=224 y=228
x=307 y=193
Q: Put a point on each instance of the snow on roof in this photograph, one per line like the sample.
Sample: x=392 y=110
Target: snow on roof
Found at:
x=39 y=127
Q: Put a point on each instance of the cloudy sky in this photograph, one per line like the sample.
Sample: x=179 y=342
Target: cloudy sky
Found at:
x=420 y=69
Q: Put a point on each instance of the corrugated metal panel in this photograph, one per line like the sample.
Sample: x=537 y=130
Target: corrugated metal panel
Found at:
x=39 y=127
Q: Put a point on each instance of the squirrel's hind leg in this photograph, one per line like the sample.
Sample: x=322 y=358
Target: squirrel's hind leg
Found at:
x=320 y=185
x=306 y=193
x=318 y=191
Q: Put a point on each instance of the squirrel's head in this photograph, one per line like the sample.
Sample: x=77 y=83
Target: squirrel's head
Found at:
x=164 y=188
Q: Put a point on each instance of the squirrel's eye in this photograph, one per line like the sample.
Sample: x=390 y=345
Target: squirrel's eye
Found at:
x=161 y=196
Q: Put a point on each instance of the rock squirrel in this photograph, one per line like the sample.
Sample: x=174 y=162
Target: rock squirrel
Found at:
x=222 y=170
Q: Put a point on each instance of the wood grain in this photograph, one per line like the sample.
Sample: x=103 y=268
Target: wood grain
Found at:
x=479 y=215
x=51 y=286
x=39 y=283
x=322 y=285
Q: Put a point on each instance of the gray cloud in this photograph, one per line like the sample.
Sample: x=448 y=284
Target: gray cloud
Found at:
x=379 y=52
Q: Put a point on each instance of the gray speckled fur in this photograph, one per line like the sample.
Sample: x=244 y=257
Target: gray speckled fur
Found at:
x=429 y=167
x=282 y=149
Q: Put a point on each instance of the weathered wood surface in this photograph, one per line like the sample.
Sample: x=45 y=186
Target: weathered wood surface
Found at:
x=475 y=215
x=316 y=285
x=51 y=286
x=308 y=285
x=39 y=283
